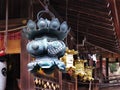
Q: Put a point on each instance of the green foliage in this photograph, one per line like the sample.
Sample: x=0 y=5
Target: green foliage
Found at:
x=113 y=67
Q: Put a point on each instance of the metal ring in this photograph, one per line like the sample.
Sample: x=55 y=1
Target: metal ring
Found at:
x=40 y=13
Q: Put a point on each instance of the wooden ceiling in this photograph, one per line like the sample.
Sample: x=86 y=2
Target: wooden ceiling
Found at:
x=94 y=23
x=96 y=20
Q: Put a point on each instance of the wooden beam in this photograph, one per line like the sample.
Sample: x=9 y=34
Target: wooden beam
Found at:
x=91 y=4
x=14 y=21
x=92 y=17
x=101 y=47
x=84 y=9
x=92 y=20
x=90 y=14
x=85 y=27
x=101 y=9
x=104 y=46
x=89 y=24
x=105 y=35
x=110 y=55
x=113 y=7
x=96 y=3
x=100 y=33
x=101 y=41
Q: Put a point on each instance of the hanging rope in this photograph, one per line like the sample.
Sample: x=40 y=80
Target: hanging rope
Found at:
x=6 y=28
x=77 y=29
x=77 y=34
x=41 y=3
x=31 y=9
x=90 y=85
x=46 y=2
x=66 y=41
x=14 y=29
x=66 y=11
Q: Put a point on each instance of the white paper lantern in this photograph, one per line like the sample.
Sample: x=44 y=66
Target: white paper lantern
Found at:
x=3 y=75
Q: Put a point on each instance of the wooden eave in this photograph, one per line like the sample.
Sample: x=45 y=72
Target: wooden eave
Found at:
x=97 y=20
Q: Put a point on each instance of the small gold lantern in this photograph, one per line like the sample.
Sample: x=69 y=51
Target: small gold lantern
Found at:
x=88 y=75
x=80 y=70
x=68 y=58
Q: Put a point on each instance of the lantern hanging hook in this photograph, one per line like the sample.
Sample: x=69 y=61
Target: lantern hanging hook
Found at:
x=46 y=3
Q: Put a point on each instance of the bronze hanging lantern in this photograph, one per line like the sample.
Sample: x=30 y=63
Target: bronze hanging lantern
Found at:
x=46 y=42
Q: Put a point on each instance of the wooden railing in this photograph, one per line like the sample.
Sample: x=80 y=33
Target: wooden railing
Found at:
x=49 y=83
x=111 y=81
x=68 y=85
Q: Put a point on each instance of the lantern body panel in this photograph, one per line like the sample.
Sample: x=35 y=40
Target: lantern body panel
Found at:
x=69 y=61
x=46 y=51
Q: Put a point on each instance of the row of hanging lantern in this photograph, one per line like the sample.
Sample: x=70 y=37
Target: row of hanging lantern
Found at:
x=46 y=46
x=78 y=66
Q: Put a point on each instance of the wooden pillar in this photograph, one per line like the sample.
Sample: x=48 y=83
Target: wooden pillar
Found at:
x=26 y=78
x=100 y=58
x=76 y=83
x=107 y=71
x=96 y=86
x=58 y=75
x=60 y=80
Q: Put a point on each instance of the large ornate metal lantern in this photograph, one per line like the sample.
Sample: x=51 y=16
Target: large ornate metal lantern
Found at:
x=46 y=43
